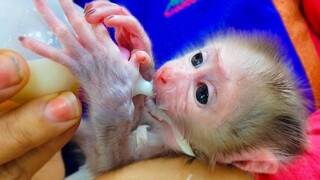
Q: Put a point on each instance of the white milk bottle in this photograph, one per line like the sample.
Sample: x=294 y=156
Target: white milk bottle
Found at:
x=20 y=18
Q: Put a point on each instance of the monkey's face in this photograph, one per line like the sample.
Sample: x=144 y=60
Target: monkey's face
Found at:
x=232 y=96
x=199 y=89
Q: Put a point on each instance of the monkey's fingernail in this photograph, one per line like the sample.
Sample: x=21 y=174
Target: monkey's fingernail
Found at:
x=10 y=71
x=110 y=17
x=142 y=57
x=90 y=12
x=63 y=108
x=87 y=6
x=21 y=38
x=143 y=60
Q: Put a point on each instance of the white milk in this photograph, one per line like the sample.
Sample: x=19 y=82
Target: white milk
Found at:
x=46 y=77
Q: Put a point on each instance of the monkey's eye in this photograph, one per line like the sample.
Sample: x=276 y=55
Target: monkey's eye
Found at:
x=202 y=94
x=197 y=59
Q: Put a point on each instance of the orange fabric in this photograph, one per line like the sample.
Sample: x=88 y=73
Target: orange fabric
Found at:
x=311 y=11
x=298 y=32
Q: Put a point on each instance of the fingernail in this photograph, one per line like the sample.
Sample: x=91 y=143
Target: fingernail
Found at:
x=110 y=17
x=90 y=12
x=87 y=6
x=143 y=60
x=10 y=72
x=63 y=108
x=21 y=38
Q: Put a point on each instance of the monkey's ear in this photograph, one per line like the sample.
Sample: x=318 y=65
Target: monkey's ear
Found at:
x=256 y=161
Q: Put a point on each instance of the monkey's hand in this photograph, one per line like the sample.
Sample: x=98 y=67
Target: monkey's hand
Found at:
x=129 y=33
x=92 y=57
x=106 y=77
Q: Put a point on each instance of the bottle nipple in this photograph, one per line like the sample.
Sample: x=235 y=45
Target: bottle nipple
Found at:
x=143 y=87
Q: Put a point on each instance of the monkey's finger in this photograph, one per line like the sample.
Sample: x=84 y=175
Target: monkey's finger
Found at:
x=101 y=33
x=139 y=58
x=28 y=164
x=98 y=4
x=144 y=62
x=65 y=36
x=47 y=51
x=78 y=23
x=14 y=73
x=96 y=11
x=37 y=122
x=130 y=23
x=138 y=37
x=147 y=68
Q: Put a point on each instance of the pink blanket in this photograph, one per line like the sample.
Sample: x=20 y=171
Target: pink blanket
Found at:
x=308 y=165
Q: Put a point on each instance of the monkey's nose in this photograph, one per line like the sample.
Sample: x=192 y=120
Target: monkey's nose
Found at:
x=165 y=76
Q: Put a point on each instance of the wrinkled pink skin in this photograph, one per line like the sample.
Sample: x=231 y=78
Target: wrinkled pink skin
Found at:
x=125 y=52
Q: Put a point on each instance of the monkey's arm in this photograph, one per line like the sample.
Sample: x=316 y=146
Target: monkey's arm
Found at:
x=105 y=76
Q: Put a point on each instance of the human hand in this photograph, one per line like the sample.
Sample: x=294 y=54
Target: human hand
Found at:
x=32 y=133
x=129 y=33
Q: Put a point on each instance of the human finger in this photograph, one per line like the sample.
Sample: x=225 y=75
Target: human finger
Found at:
x=28 y=164
x=36 y=122
x=14 y=73
x=53 y=169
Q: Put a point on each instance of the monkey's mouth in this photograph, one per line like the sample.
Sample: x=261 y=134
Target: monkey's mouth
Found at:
x=154 y=99
x=155 y=117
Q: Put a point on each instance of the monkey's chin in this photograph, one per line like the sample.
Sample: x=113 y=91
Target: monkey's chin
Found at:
x=183 y=145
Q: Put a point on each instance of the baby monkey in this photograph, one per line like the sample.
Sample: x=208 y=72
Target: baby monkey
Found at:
x=232 y=101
